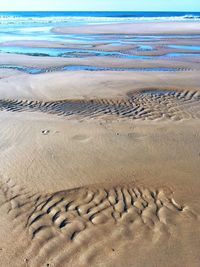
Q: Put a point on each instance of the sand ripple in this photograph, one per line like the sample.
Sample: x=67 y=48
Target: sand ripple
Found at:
x=149 y=104
x=60 y=224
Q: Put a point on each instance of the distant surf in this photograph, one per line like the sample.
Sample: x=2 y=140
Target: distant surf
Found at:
x=92 y=17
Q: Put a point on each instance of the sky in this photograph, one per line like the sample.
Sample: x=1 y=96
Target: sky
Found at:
x=100 y=5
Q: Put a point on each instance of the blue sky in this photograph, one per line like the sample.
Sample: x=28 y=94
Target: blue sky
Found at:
x=95 y=5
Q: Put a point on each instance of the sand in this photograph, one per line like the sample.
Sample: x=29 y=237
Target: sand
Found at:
x=134 y=28
x=99 y=168
x=45 y=155
x=82 y=85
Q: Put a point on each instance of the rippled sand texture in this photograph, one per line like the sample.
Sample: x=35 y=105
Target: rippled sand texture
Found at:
x=100 y=190
x=145 y=105
x=73 y=222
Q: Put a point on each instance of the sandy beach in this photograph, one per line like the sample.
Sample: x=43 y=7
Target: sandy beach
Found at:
x=101 y=168
x=135 y=28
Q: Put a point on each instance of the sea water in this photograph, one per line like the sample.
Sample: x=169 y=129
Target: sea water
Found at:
x=37 y=26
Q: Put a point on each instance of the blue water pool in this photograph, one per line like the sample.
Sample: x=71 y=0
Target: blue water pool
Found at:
x=37 y=70
x=187 y=47
x=63 y=52
x=181 y=55
x=86 y=52
x=145 y=48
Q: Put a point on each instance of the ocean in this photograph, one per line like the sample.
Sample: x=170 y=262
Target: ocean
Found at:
x=74 y=17
x=37 y=25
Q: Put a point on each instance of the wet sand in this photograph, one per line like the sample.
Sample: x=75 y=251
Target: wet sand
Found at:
x=100 y=168
x=135 y=28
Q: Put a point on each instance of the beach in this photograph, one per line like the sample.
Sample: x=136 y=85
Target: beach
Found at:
x=99 y=155
x=134 y=28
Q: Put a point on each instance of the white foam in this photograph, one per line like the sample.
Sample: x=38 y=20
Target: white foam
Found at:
x=71 y=19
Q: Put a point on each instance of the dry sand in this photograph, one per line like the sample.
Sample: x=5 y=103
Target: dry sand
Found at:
x=95 y=171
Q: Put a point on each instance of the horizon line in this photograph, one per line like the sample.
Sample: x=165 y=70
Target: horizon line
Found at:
x=100 y=11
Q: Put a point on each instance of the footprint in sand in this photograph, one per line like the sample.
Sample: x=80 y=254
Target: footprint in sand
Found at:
x=81 y=138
